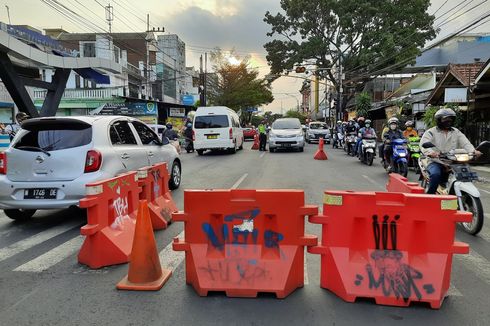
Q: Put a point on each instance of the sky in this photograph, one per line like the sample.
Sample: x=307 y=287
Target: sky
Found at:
x=206 y=24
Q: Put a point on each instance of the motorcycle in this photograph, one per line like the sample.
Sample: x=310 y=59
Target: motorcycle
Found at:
x=189 y=145
x=338 y=140
x=459 y=183
x=414 y=153
x=399 y=163
x=350 y=143
x=368 y=150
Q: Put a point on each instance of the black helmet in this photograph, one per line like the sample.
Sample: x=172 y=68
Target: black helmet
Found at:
x=445 y=118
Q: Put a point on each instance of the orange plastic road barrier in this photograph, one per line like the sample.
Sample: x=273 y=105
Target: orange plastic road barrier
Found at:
x=320 y=153
x=256 y=144
x=245 y=241
x=398 y=183
x=396 y=248
x=112 y=207
x=153 y=181
x=145 y=271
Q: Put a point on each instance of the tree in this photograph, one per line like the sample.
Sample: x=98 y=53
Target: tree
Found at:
x=370 y=37
x=238 y=86
x=363 y=104
x=296 y=114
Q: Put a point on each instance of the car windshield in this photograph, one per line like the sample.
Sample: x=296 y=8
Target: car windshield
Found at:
x=211 y=121
x=54 y=138
x=286 y=124
x=318 y=126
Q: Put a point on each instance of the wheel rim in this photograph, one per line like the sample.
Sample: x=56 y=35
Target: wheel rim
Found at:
x=469 y=206
x=176 y=174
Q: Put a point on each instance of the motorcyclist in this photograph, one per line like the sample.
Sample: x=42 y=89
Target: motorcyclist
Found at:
x=351 y=127
x=188 y=134
x=445 y=138
x=360 y=125
x=394 y=132
x=366 y=132
x=169 y=132
x=409 y=130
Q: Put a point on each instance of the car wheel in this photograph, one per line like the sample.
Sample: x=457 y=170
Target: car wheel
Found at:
x=200 y=152
x=19 y=214
x=301 y=149
x=175 y=176
x=232 y=150
x=272 y=150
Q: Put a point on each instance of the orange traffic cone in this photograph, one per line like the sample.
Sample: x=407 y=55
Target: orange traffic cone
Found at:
x=255 y=146
x=320 y=153
x=145 y=271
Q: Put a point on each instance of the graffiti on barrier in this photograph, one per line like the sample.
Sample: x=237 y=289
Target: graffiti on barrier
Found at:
x=120 y=207
x=387 y=271
x=236 y=271
x=156 y=183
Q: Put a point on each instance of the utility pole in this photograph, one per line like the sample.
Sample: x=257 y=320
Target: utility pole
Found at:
x=205 y=79
x=339 y=102
x=8 y=14
x=317 y=91
x=109 y=16
x=147 y=57
x=201 y=82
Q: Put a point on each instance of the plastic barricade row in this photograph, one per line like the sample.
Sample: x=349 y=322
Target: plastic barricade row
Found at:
x=398 y=183
x=112 y=207
x=153 y=181
x=243 y=242
x=396 y=248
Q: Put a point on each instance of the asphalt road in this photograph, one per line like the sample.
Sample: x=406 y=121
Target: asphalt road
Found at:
x=41 y=282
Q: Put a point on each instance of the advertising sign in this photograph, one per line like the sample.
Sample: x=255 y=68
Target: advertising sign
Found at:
x=177 y=112
x=455 y=95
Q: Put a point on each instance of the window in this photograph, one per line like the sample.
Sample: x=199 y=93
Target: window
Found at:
x=116 y=54
x=147 y=136
x=88 y=49
x=121 y=134
x=286 y=124
x=54 y=137
x=77 y=81
x=211 y=121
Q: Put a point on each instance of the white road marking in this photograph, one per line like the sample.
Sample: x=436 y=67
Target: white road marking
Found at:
x=30 y=242
x=453 y=291
x=485 y=191
x=476 y=263
x=237 y=184
x=306 y=281
x=171 y=259
x=52 y=257
x=262 y=155
x=373 y=182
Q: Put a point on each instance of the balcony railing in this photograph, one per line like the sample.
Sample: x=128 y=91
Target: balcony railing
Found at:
x=83 y=93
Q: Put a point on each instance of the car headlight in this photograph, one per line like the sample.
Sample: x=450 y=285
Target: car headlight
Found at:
x=462 y=157
x=272 y=135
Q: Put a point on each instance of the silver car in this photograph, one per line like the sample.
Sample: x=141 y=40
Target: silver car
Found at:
x=286 y=134
x=317 y=130
x=51 y=159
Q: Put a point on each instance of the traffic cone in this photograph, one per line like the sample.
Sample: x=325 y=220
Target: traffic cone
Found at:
x=320 y=153
x=255 y=146
x=145 y=271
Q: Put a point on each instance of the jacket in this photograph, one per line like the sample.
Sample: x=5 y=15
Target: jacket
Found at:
x=393 y=134
x=445 y=141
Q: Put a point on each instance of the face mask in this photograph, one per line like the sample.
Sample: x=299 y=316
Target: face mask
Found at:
x=368 y=125
x=447 y=124
x=393 y=127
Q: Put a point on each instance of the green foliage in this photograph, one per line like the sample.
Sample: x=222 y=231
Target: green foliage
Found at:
x=295 y=114
x=238 y=86
x=369 y=36
x=363 y=104
x=430 y=111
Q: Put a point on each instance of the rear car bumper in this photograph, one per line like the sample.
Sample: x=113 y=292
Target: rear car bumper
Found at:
x=213 y=144
x=69 y=193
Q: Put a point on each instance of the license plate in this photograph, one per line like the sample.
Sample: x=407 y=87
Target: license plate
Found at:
x=212 y=136
x=286 y=145
x=40 y=193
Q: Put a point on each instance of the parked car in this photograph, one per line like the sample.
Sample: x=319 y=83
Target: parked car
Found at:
x=50 y=160
x=217 y=128
x=286 y=133
x=317 y=130
x=249 y=132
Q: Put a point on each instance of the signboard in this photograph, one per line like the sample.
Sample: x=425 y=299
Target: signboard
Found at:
x=455 y=95
x=130 y=109
x=188 y=99
x=251 y=110
x=177 y=112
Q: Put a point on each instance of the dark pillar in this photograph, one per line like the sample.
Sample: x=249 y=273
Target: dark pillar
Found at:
x=15 y=86
x=53 y=96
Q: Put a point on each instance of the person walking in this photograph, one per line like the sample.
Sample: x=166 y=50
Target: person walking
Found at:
x=262 y=136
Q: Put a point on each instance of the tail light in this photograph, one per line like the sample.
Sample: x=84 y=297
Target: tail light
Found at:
x=93 y=161
x=231 y=133
x=3 y=163
x=193 y=135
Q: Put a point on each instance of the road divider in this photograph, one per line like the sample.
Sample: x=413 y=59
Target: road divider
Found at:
x=243 y=242
x=153 y=181
x=256 y=145
x=384 y=246
x=320 y=153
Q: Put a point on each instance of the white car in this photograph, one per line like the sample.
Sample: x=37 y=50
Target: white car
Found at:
x=285 y=134
x=317 y=130
x=51 y=159
x=217 y=128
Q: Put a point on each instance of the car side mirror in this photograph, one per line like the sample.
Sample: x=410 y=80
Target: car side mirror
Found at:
x=428 y=145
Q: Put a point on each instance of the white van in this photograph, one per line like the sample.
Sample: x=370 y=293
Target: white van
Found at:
x=217 y=128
